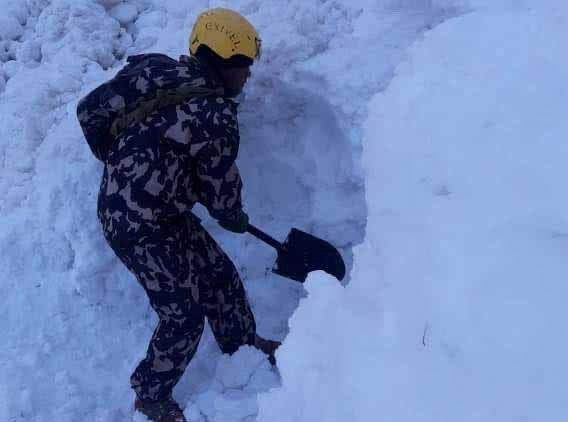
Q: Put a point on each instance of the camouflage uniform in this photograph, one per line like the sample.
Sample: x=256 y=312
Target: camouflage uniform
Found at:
x=154 y=174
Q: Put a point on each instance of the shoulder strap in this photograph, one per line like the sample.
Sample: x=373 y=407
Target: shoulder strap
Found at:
x=164 y=97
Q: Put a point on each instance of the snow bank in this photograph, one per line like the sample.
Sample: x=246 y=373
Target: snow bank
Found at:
x=456 y=306
x=74 y=321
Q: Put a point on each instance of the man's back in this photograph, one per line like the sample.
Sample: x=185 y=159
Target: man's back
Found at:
x=177 y=155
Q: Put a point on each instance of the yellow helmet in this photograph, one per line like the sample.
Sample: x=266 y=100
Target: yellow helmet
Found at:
x=226 y=33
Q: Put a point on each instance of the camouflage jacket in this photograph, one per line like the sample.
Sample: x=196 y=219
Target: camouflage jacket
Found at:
x=179 y=155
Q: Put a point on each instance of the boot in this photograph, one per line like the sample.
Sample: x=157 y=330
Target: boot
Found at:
x=160 y=411
x=268 y=347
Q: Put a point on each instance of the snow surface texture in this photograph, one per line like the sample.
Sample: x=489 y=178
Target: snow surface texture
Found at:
x=74 y=321
x=457 y=306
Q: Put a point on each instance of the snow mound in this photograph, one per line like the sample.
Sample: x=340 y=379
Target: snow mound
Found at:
x=456 y=306
x=233 y=393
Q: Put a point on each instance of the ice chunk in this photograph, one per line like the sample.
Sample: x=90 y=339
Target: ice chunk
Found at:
x=236 y=371
x=125 y=13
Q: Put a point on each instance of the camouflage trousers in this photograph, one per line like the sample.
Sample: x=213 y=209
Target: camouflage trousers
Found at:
x=187 y=277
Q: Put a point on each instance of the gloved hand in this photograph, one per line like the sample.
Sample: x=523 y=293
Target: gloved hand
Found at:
x=237 y=224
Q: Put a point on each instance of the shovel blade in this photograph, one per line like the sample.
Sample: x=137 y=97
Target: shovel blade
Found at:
x=303 y=253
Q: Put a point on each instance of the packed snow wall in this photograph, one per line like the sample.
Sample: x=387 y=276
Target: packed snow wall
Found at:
x=456 y=307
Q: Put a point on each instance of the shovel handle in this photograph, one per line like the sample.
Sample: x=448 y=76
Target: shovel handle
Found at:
x=256 y=232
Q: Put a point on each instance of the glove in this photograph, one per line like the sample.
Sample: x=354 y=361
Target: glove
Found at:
x=237 y=224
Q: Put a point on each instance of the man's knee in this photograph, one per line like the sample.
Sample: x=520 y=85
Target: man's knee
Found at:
x=176 y=336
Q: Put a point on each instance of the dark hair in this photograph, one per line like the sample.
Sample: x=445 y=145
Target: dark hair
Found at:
x=208 y=55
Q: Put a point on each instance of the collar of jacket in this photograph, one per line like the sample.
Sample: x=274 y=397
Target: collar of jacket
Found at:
x=212 y=74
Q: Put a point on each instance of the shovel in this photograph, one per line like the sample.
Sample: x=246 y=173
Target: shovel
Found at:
x=302 y=253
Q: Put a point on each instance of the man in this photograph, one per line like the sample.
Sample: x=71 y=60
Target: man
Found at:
x=164 y=157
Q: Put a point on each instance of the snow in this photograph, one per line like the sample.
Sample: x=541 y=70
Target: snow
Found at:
x=11 y=28
x=125 y=13
x=455 y=310
x=421 y=137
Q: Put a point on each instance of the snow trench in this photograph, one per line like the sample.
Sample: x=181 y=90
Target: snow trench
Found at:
x=75 y=322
